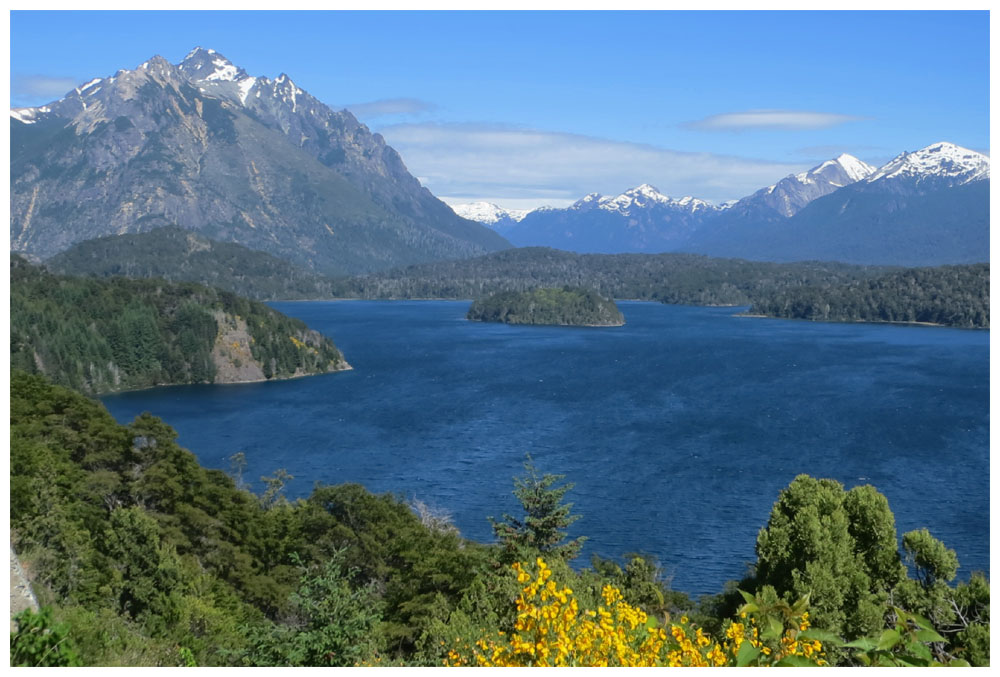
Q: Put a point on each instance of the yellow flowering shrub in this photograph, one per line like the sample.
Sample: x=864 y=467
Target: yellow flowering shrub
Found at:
x=552 y=630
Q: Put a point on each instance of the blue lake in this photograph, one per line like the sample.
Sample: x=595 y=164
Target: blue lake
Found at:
x=678 y=429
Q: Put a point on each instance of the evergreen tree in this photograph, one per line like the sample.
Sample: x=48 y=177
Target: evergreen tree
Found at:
x=542 y=529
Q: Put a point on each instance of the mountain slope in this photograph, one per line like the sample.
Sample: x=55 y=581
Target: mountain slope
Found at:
x=249 y=160
x=180 y=255
x=792 y=193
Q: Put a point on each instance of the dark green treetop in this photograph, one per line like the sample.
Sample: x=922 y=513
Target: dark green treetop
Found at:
x=546 y=518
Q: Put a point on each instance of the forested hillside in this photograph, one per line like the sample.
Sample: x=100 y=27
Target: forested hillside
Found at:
x=100 y=336
x=956 y=296
x=142 y=557
x=671 y=278
x=565 y=306
x=180 y=255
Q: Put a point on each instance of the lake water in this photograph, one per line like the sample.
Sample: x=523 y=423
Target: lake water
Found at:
x=678 y=429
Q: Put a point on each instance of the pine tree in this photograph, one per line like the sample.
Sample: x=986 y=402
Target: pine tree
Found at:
x=542 y=529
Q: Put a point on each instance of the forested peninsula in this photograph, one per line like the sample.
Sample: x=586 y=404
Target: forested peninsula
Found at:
x=141 y=557
x=101 y=336
x=953 y=296
x=566 y=306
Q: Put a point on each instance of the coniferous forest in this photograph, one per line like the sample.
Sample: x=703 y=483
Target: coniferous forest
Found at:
x=954 y=296
x=565 y=306
x=101 y=336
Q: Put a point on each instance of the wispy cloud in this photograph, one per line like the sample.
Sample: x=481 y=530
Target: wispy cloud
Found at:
x=32 y=90
x=771 y=119
x=383 y=107
x=527 y=167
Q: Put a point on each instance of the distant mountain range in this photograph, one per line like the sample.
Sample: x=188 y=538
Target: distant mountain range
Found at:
x=926 y=207
x=207 y=147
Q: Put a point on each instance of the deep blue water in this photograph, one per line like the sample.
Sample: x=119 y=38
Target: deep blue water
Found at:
x=678 y=429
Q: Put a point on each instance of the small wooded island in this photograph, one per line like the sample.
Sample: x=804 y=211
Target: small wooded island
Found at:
x=553 y=306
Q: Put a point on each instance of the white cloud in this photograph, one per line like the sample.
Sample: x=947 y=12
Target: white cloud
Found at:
x=771 y=119
x=33 y=90
x=520 y=168
x=382 y=107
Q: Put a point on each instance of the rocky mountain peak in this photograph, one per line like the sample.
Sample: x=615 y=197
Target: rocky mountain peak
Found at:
x=795 y=191
x=205 y=146
x=207 y=65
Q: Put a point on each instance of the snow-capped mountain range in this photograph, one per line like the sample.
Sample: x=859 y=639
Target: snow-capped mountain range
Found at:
x=635 y=199
x=939 y=161
x=640 y=197
x=644 y=219
x=489 y=214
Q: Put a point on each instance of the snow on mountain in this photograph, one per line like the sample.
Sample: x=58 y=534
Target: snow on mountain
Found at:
x=209 y=65
x=28 y=115
x=941 y=160
x=795 y=191
x=641 y=197
x=489 y=213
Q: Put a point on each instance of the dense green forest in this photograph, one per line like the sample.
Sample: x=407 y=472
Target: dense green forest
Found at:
x=956 y=296
x=949 y=295
x=101 y=336
x=142 y=557
x=180 y=255
x=688 y=279
x=565 y=306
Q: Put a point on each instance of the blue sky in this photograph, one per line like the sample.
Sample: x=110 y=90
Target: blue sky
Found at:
x=529 y=108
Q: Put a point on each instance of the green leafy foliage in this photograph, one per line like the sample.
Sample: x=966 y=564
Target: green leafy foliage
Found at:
x=567 y=306
x=816 y=543
x=143 y=550
x=839 y=548
x=101 y=336
x=334 y=623
x=39 y=642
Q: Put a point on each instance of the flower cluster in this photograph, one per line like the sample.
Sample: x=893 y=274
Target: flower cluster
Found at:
x=789 y=643
x=552 y=630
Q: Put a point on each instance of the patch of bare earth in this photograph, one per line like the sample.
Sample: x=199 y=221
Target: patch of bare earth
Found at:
x=21 y=596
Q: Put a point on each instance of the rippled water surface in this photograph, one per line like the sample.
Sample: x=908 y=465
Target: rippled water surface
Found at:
x=678 y=429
